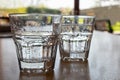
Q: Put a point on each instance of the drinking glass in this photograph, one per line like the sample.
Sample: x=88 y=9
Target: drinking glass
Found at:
x=36 y=38
x=75 y=37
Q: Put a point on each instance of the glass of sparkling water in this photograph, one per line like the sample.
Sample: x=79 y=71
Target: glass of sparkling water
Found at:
x=36 y=37
x=75 y=37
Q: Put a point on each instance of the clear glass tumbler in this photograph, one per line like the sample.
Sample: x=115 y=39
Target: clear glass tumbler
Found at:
x=75 y=37
x=36 y=38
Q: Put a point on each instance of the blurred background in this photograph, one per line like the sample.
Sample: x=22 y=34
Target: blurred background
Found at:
x=107 y=12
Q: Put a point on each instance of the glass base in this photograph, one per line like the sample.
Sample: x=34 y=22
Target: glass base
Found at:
x=41 y=67
x=74 y=57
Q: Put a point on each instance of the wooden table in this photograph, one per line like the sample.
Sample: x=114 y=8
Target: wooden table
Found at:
x=103 y=62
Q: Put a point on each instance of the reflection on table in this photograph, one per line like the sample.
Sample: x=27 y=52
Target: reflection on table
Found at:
x=103 y=62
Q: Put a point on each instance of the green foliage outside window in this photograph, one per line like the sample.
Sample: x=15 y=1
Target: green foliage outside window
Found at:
x=116 y=27
x=42 y=10
x=4 y=11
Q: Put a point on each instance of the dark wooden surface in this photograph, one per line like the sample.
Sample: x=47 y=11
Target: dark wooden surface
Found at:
x=103 y=62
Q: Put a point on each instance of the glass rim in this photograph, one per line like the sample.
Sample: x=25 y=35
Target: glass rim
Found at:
x=80 y=16
x=37 y=14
